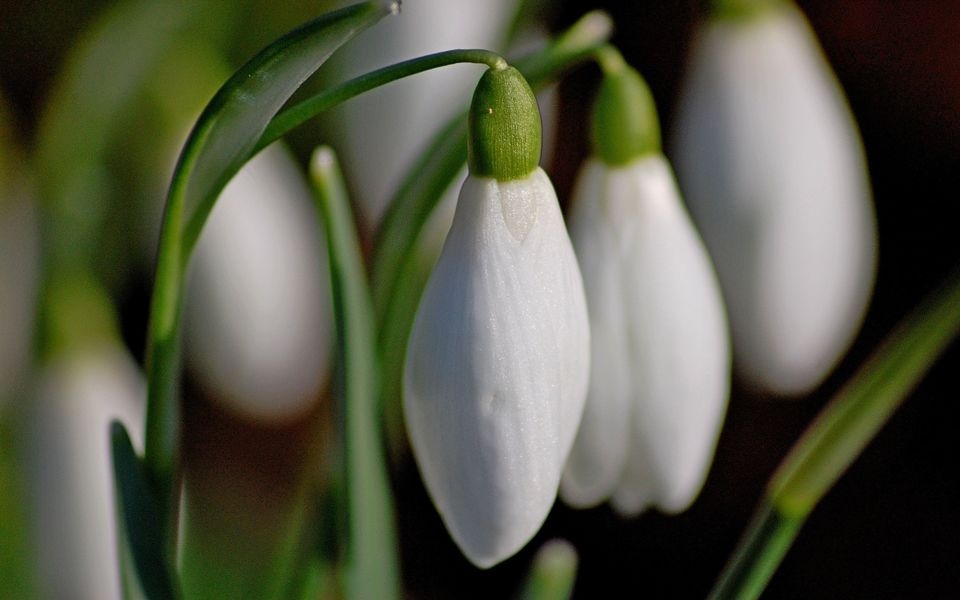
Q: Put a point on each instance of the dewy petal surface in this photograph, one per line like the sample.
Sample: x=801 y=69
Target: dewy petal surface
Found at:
x=257 y=314
x=771 y=165
x=672 y=351
x=497 y=366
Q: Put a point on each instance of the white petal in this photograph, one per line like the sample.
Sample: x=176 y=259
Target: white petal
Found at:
x=668 y=348
x=600 y=450
x=497 y=366
x=772 y=167
x=678 y=335
x=69 y=469
x=257 y=315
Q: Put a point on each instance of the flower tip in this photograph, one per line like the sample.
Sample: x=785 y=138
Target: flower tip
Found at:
x=596 y=24
x=323 y=160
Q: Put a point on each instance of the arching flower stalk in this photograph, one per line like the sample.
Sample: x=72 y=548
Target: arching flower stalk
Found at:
x=660 y=352
x=498 y=359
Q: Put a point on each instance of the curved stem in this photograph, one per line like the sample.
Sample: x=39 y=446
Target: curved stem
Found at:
x=298 y=114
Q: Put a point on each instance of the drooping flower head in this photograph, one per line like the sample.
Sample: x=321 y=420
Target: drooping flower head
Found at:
x=498 y=358
x=771 y=164
x=660 y=353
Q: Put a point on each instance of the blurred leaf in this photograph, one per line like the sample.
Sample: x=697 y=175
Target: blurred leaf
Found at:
x=237 y=115
x=144 y=570
x=81 y=118
x=372 y=567
x=219 y=144
x=837 y=437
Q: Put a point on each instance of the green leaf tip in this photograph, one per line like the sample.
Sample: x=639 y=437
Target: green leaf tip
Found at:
x=504 y=124
x=625 y=123
x=144 y=570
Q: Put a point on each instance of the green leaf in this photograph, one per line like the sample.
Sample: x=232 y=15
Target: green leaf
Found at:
x=238 y=114
x=144 y=569
x=372 y=567
x=837 y=437
x=220 y=142
x=81 y=119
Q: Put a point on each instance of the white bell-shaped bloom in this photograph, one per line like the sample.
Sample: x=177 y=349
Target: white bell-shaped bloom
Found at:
x=498 y=358
x=771 y=164
x=497 y=365
x=660 y=372
x=257 y=314
x=69 y=468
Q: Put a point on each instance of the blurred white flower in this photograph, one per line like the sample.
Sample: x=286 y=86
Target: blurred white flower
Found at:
x=770 y=161
x=69 y=468
x=257 y=316
x=660 y=354
x=497 y=365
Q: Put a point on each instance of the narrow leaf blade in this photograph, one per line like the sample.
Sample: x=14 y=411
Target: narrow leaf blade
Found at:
x=145 y=572
x=372 y=566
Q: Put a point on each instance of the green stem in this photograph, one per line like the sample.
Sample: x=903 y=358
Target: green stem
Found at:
x=837 y=437
x=758 y=555
x=300 y=113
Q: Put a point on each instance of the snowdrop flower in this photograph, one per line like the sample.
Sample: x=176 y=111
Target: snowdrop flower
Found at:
x=498 y=358
x=257 y=314
x=70 y=470
x=660 y=354
x=770 y=161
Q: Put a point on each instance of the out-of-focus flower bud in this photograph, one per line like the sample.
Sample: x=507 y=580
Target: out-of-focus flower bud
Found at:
x=660 y=358
x=69 y=470
x=257 y=314
x=770 y=161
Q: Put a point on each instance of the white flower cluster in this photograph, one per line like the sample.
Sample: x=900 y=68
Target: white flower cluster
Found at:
x=523 y=376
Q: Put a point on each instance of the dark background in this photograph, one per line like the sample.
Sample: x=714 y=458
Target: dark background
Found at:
x=891 y=526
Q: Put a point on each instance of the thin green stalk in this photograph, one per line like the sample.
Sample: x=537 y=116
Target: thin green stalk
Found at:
x=371 y=563
x=300 y=113
x=837 y=437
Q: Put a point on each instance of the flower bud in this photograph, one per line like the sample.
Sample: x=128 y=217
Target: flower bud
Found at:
x=660 y=353
x=771 y=164
x=498 y=358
